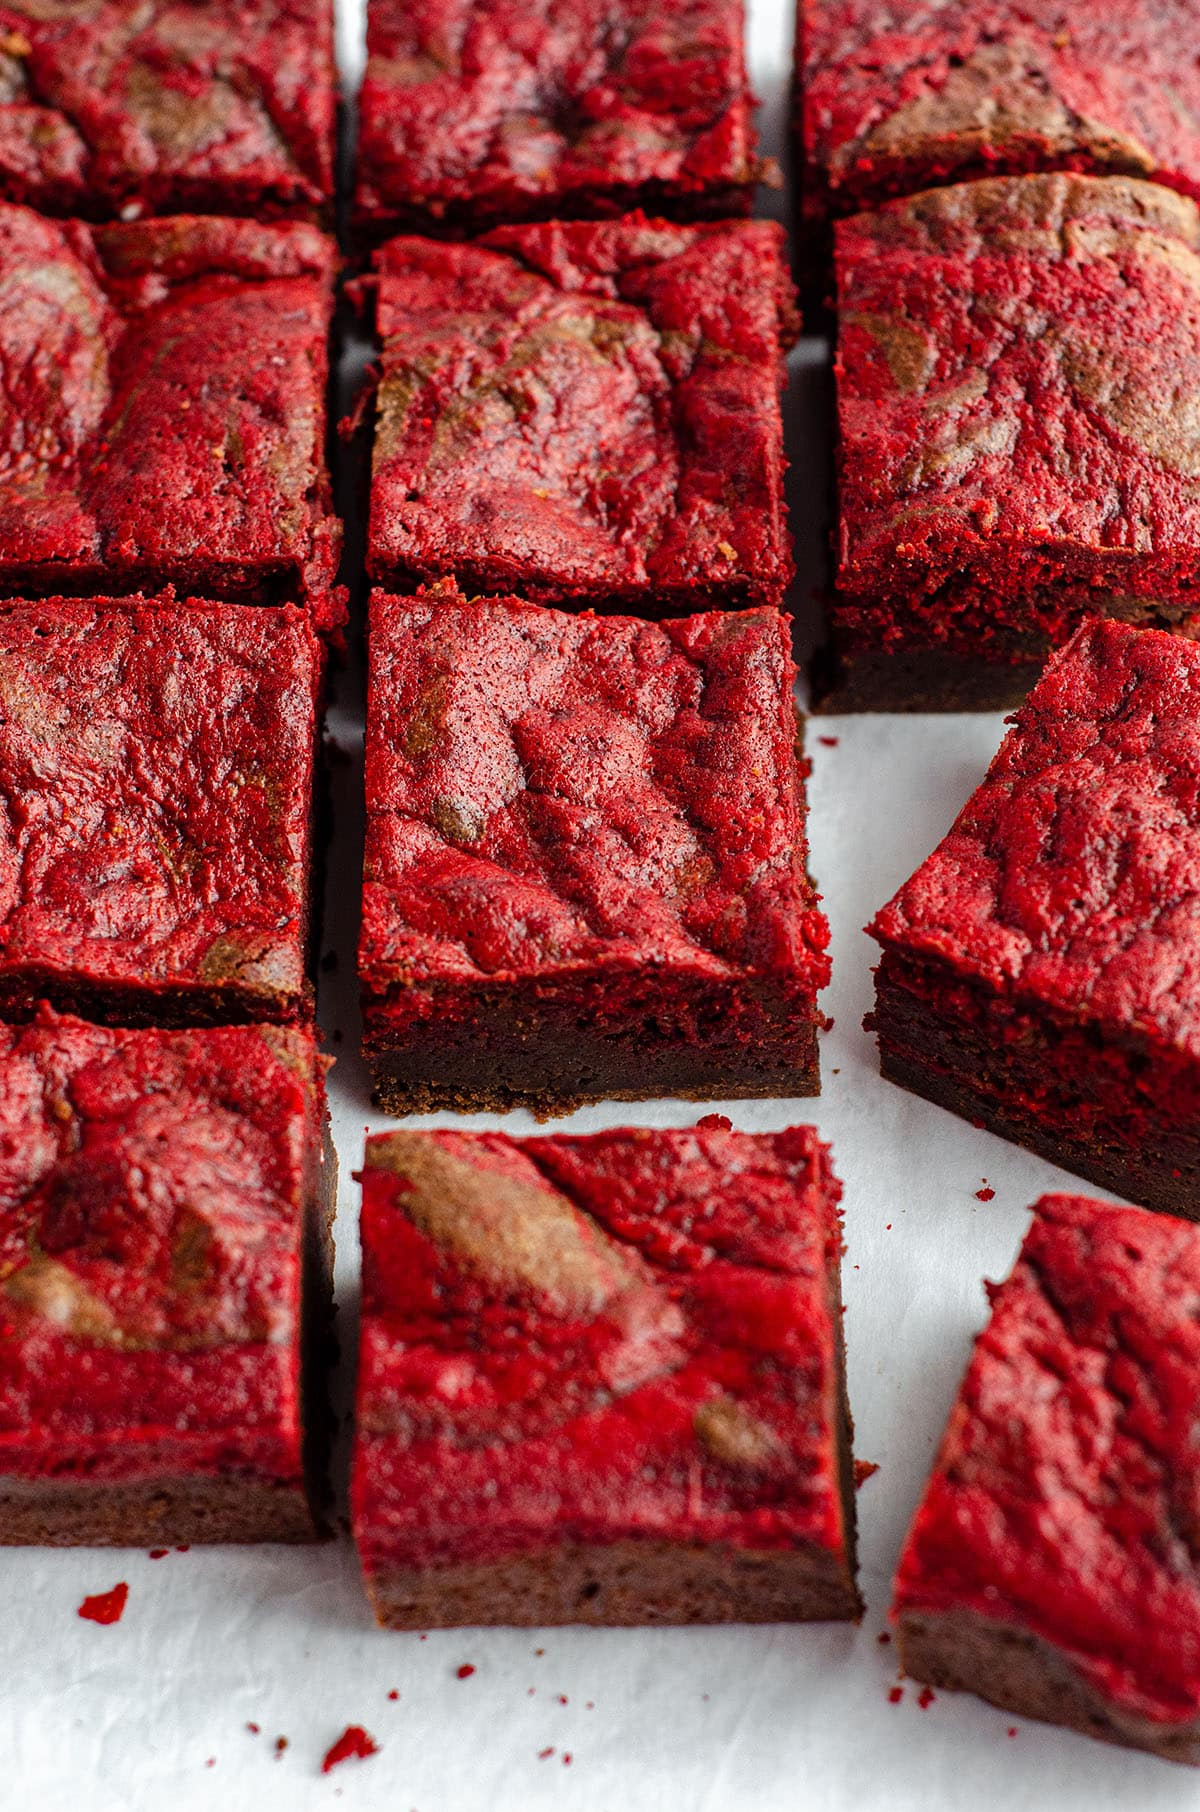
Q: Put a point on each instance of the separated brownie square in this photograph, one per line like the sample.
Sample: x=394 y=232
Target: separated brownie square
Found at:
x=163 y=407
x=1019 y=445
x=1051 y=1567
x=601 y=1380
x=473 y=114
x=899 y=95
x=1039 y=971
x=193 y=106
x=585 y=859
x=156 y=774
x=586 y=412
x=165 y=1252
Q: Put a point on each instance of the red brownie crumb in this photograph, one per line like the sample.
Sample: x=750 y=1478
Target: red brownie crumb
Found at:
x=552 y=112
x=587 y=412
x=354 y=1743
x=164 y=1259
x=601 y=1380
x=1050 y=1567
x=586 y=863
x=105 y=1607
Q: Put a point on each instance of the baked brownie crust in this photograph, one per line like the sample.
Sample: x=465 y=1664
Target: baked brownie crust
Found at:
x=585 y=858
x=588 y=411
x=899 y=95
x=976 y=531
x=204 y=106
x=652 y=1321
x=474 y=115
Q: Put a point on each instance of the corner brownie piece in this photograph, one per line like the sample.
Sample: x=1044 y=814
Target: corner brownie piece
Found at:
x=207 y=106
x=899 y=95
x=163 y=407
x=165 y=1207
x=1016 y=366
x=585 y=859
x=601 y=1380
x=474 y=114
x=1052 y=1564
x=585 y=411
x=156 y=774
x=1039 y=970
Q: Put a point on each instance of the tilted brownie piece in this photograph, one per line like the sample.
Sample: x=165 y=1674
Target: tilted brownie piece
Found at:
x=588 y=411
x=162 y=409
x=165 y=1253
x=601 y=1380
x=475 y=114
x=1019 y=447
x=585 y=859
x=1040 y=970
x=205 y=106
x=1052 y=1564
x=156 y=781
x=899 y=95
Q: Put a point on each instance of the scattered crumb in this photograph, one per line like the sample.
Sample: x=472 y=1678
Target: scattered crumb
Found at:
x=985 y=1194
x=530 y=1692
x=539 y=1651
x=715 y=1123
x=393 y=1694
x=561 y=1697
x=566 y=1758
x=281 y=1744
x=543 y=1753
x=925 y=1697
x=830 y=742
x=159 y=1553
x=888 y=1228
x=424 y=1637
x=465 y=1671
x=863 y=1470
x=1012 y=1730
x=883 y=1638
x=835 y=1072
x=211 y=1762
x=106 y=1607
x=895 y=1695
x=254 y=1729
x=590 y=1705
x=184 y=1548
x=353 y=1742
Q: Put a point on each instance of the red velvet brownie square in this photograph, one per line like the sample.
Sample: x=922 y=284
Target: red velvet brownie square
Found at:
x=601 y=1380
x=1040 y=969
x=585 y=859
x=165 y=1202
x=156 y=782
x=1018 y=449
x=586 y=412
x=473 y=115
x=899 y=95
x=162 y=409
x=1051 y=1566
x=205 y=106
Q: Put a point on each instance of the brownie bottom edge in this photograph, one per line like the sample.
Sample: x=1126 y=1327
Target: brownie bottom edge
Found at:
x=158 y=1512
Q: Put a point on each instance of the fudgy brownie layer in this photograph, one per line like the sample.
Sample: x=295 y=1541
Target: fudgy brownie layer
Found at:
x=960 y=1651
x=463 y=221
x=916 y=680
x=164 y=1510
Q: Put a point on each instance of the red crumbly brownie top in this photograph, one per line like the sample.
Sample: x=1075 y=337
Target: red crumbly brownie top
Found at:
x=156 y=769
x=1071 y=878
x=573 y=1339
x=897 y=95
x=590 y=409
x=162 y=409
x=1016 y=364
x=153 y=1188
x=549 y=793
x=212 y=106
x=505 y=110
x=1063 y=1502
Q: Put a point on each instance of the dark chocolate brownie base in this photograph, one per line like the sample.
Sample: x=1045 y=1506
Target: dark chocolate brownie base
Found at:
x=169 y=1007
x=962 y=1652
x=467 y=220
x=918 y=680
x=162 y=1512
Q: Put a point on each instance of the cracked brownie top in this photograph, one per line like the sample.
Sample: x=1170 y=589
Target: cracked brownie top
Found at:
x=1065 y=1495
x=633 y=1332
x=167 y=106
x=480 y=113
x=586 y=410
x=549 y=792
x=1071 y=878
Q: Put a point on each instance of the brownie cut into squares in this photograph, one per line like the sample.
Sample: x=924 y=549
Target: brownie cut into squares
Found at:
x=585 y=870
x=585 y=412
x=601 y=1380
x=1051 y=1566
x=894 y=96
x=194 y=106
x=163 y=409
x=156 y=803
x=1018 y=442
x=1040 y=970
x=475 y=114
x=165 y=1304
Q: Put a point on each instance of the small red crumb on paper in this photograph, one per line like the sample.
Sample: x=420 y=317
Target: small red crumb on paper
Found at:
x=888 y=1228
x=895 y=1696
x=544 y=1753
x=883 y=1638
x=864 y=1470
x=211 y=1762
x=830 y=742
x=105 y=1607
x=254 y=1729
x=925 y=1697
x=353 y=1742
x=715 y=1123
x=281 y=1744
x=985 y=1194
x=393 y=1694
x=465 y=1671
x=590 y=1705
x=159 y=1553
x=539 y=1651
x=567 y=1758
x=184 y=1547
x=562 y=1698
x=1012 y=1730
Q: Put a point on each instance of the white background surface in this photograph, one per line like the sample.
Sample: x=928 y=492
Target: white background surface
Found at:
x=796 y=1718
